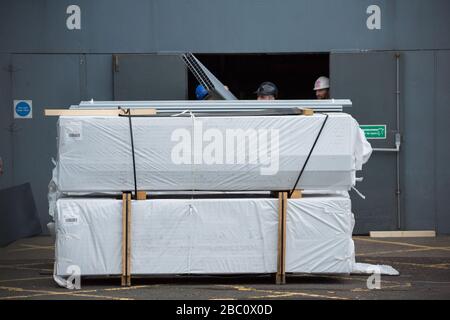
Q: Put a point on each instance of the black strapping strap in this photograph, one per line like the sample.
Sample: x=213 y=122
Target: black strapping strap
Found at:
x=127 y=113
x=309 y=155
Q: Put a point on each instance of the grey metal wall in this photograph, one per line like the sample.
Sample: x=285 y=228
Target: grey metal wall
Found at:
x=6 y=115
x=49 y=80
x=441 y=138
x=40 y=59
x=369 y=80
x=426 y=127
x=149 y=77
x=46 y=80
x=136 y=26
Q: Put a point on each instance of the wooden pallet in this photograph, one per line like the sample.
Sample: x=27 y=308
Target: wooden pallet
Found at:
x=126 y=235
x=142 y=195
x=126 y=239
x=281 y=258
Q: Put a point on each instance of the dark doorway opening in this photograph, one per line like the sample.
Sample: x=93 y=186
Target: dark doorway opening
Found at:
x=294 y=74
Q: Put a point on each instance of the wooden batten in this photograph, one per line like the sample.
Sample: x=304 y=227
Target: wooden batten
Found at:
x=307 y=112
x=126 y=239
x=141 y=195
x=281 y=257
x=97 y=112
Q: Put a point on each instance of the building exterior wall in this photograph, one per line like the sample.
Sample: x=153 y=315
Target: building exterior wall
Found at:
x=41 y=59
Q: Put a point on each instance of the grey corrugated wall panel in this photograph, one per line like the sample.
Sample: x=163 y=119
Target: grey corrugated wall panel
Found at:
x=442 y=137
x=6 y=115
x=418 y=149
x=209 y=26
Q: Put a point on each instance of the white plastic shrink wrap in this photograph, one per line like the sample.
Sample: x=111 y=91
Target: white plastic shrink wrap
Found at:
x=204 y=236
x=208 y=153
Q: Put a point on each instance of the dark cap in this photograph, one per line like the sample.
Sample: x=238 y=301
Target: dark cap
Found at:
x=267 y=89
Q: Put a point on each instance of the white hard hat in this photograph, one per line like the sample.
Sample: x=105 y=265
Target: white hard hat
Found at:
x=322 y=83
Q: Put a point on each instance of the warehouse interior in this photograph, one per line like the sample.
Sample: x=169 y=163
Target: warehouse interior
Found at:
x=242 y=73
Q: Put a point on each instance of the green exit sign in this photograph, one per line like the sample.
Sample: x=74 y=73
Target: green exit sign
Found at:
x=374 y=131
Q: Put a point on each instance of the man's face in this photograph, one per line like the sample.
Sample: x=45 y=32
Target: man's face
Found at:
x=266 y=98
x=322 y=94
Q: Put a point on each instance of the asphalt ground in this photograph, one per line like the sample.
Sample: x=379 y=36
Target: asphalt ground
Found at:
x=26 y=269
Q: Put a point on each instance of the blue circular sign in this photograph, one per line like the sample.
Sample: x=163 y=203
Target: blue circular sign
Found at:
x=23 y=109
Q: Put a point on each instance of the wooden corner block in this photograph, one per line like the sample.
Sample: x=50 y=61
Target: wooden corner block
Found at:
x=308 y=112
x=141 y=195
x=297 y=194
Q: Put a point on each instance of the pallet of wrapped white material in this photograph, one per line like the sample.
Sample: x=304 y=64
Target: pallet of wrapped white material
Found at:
x=238 y=153
x=204 y=236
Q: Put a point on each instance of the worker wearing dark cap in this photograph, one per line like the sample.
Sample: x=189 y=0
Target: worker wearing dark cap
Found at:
x=267 y=91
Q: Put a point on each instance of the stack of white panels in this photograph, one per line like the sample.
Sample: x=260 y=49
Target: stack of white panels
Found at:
x=205 y=236
x=241 y=153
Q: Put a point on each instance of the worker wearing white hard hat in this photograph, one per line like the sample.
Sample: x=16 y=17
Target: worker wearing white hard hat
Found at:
x=322 y=88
